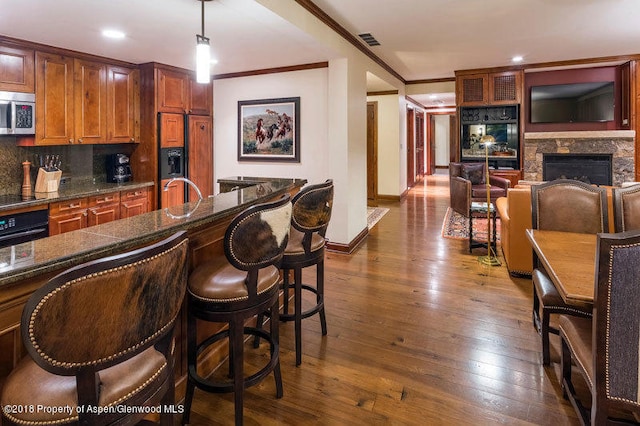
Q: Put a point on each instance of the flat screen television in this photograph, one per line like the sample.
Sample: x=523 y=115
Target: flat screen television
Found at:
x=573 y=103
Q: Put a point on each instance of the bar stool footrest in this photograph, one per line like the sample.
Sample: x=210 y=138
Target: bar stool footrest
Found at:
x=226 y=387
x=309 y=312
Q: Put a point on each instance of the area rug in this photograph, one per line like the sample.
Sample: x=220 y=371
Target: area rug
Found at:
x=374 y=214
x=456 y=226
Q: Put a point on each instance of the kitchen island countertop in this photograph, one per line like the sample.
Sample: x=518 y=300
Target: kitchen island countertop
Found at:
x=58 y=252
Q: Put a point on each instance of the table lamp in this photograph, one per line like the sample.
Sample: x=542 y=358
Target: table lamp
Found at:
x=491 y=259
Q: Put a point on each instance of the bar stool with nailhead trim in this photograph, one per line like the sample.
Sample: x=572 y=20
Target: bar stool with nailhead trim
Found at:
x=311 y=214
x=99 y=337
x=233 y=289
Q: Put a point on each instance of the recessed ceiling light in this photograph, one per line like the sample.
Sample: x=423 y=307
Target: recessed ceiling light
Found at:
x=517 y=59
x=113 y=34
x=432 y=96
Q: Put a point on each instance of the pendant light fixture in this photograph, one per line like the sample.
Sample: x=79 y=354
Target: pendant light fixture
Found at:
x=203 y=54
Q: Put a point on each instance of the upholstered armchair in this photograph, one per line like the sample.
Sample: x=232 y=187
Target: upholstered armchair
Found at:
x=467 y=184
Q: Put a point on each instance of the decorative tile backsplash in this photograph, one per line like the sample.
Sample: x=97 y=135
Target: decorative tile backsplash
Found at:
x=78 y=162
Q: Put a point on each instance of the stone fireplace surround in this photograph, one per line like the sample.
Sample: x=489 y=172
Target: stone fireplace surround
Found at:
x=619 y=143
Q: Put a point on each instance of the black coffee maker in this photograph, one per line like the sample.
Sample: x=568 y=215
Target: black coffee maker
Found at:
x=118 y=168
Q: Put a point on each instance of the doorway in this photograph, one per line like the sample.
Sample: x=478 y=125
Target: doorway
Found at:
x=441 y=128
x=372 y=154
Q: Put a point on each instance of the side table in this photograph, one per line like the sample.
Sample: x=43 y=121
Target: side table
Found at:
x=478 y=210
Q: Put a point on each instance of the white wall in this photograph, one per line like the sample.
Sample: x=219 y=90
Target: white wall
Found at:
x=388 y=144
x=442 y=136
x=310 y=86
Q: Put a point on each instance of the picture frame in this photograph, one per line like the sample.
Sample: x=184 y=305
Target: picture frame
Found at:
x=269 y=130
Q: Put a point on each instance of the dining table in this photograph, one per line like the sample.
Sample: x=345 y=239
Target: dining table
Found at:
x=569 y=259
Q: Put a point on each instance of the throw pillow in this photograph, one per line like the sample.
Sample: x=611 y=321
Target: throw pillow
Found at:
x=474 y=173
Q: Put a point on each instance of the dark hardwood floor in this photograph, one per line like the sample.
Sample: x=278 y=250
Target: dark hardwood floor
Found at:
x=418 y=333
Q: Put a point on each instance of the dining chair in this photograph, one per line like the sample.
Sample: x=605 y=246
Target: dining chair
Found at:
x=626 y=208
x=605 y=350
x=99 y=337
x=569 y=206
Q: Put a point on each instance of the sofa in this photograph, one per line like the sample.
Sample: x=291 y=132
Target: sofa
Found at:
x=514 y=212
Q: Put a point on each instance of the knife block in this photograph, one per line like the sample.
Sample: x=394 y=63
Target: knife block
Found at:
x=48 y=181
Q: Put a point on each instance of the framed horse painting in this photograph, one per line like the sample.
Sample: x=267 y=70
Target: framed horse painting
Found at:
x=269 y=130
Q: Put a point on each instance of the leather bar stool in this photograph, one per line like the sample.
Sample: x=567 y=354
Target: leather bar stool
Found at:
x=100 y=336
x=311 y=214
x=233 y=289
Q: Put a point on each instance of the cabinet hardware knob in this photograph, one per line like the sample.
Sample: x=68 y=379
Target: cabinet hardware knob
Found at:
x=133 y=139
x=70 y=140
x=79 y=140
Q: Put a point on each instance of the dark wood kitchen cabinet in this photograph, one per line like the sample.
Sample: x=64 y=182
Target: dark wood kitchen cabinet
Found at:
x=134 y=202
x=200 y=154
x=71 y=95
x=179 y=92
x=66 y=216
x=123 y=104
x=90 y=101
x=174 y=195
x=103 y=209
x=173 y=90
x=17 y=72
x=200 y=98
x=54 y=98
x=85 y=102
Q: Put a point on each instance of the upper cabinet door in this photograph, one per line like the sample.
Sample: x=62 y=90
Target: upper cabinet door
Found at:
x=90 y=101
x=201 y=98
x=173 y=89
x=17 y=69
x=171 y=130
x=54 y=99
x=200 y=155
x=123 y=105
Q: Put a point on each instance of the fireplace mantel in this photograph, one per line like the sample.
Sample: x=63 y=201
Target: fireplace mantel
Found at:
x=597 y=134
x=619 y=143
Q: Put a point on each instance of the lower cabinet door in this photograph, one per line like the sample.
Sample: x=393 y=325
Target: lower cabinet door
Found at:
x=103 y=214
x=59 y=224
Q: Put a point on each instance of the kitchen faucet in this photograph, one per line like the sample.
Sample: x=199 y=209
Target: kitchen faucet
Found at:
x=194 y=186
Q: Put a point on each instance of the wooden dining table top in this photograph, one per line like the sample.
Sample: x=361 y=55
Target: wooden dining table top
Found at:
x=570 y=261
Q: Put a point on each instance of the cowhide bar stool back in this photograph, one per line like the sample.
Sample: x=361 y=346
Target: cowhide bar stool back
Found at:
x=232 y=290
x=100 y=339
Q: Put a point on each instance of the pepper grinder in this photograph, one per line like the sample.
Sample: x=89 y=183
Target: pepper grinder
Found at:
x=26 y=182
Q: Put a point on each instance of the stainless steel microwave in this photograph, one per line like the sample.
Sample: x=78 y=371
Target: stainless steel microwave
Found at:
x=17 y=113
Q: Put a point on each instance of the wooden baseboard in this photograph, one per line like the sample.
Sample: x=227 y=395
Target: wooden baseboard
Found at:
x=390 y=197
x=351 y=246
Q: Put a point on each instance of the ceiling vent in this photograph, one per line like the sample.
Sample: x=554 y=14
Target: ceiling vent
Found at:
x=369 y=39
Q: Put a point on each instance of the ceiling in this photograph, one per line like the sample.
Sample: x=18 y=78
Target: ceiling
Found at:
x=419 y=39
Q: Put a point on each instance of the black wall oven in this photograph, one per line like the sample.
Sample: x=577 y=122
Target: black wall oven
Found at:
x=21 y=227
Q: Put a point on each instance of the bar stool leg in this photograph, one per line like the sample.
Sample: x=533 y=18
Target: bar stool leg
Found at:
x=320 y=295
x=275 y=336
x=236 y=352
x=192 y=357
x=298 y=314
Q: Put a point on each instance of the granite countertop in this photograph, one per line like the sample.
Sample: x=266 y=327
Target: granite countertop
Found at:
x=46 y=255
x=68 y=191
x=251 y=180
